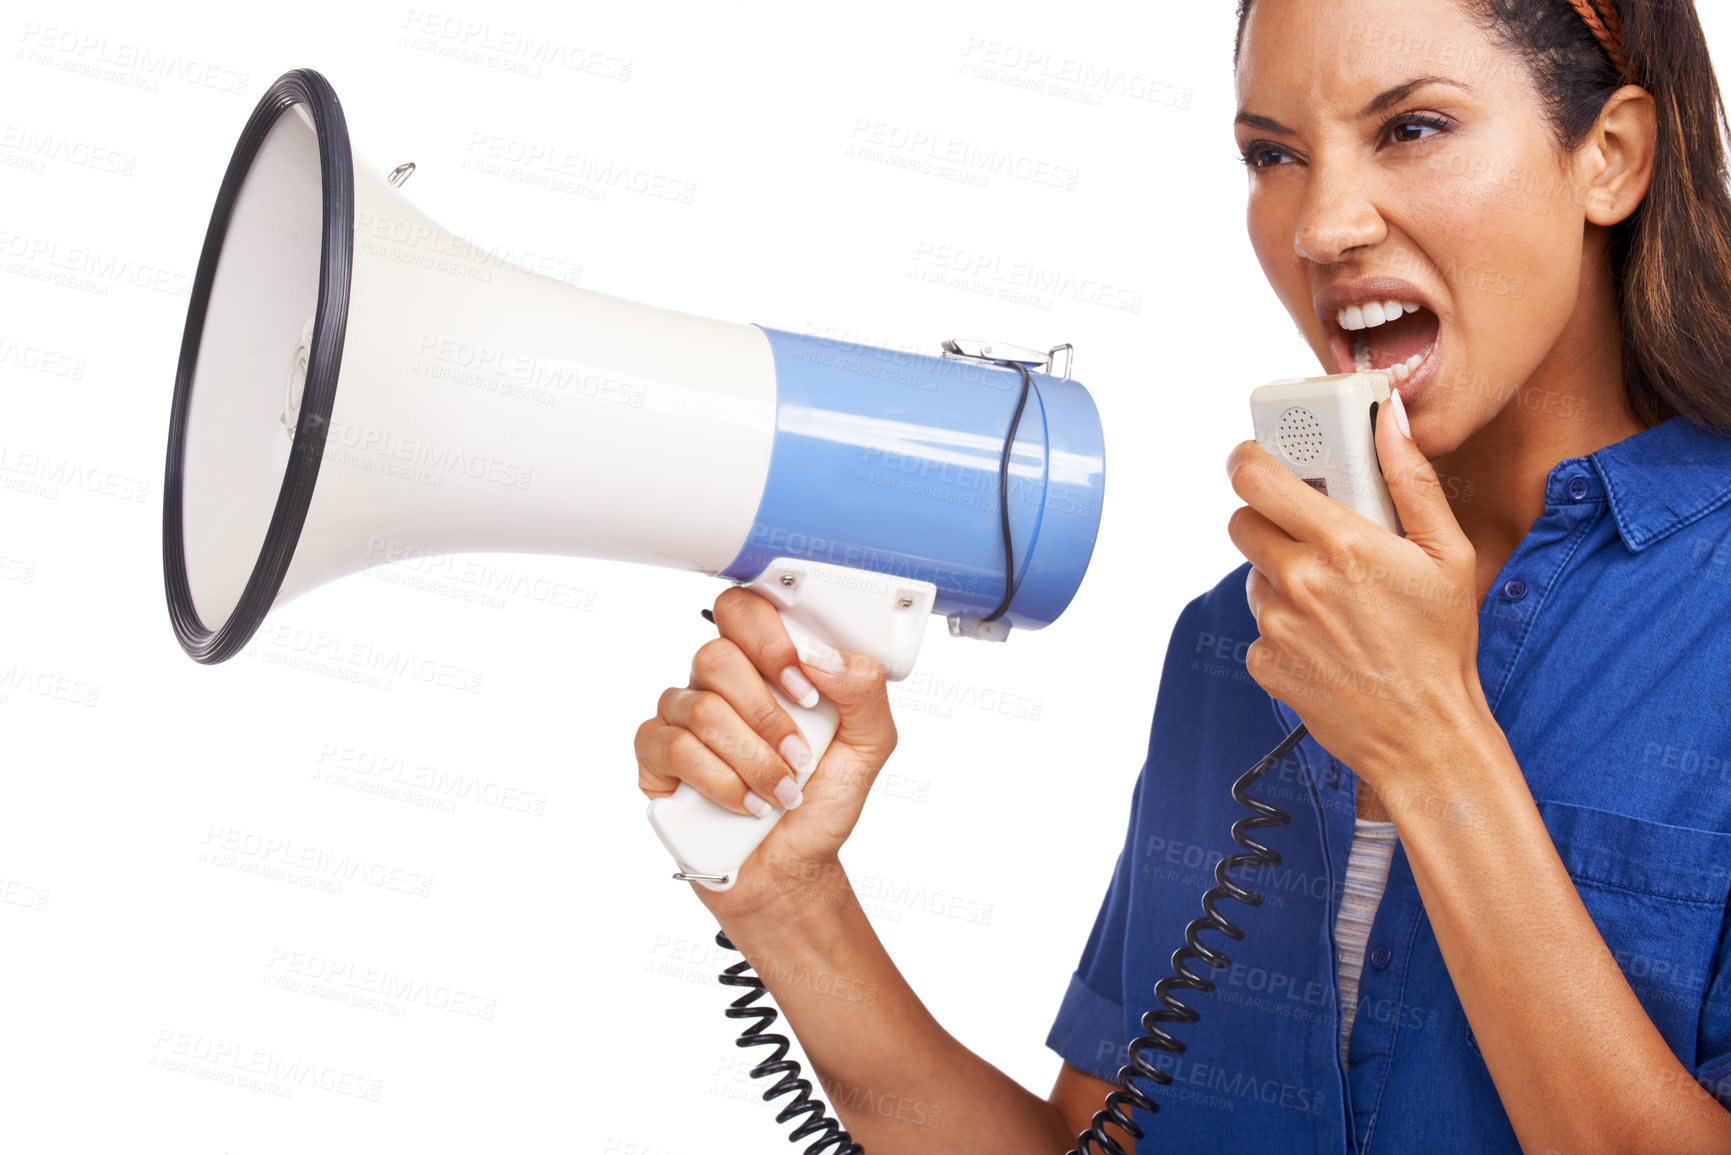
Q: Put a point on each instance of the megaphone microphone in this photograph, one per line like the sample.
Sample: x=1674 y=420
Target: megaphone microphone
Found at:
x=317 y=430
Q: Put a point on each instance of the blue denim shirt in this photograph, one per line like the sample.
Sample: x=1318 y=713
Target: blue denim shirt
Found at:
x=1605 y=653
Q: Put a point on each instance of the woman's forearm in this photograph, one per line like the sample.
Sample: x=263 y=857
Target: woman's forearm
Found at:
x=898 y=1081
x=1578 y=1064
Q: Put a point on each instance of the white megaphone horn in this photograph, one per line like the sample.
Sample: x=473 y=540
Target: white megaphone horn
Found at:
x=357 y=385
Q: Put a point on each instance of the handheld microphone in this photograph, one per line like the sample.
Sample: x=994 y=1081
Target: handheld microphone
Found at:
x=1323 y=429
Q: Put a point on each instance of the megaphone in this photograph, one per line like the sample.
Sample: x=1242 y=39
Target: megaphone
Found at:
x=357 y=385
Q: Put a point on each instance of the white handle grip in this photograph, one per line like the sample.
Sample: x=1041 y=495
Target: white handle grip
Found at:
x=854 y=610
x=707 y=840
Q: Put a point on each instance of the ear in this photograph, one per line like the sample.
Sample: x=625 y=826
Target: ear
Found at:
x=1615 y=162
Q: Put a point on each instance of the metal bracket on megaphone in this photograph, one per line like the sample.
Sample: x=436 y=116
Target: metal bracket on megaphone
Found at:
x=1002 y=352
x=856 y=610
x=994 y=629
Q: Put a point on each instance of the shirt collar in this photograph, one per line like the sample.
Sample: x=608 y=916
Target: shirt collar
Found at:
x=1663 y=478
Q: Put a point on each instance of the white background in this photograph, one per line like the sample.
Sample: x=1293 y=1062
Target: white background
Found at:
x=134 y=967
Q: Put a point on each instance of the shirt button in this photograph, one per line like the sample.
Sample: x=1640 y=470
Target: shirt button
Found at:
x=1379 y=958
x=1577 y=487
x=1514 y=589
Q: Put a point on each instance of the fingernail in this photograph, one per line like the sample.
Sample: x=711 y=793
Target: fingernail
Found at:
x=822 y=655
x=799 y=687
x=1399 y=412
x=794 y=749
x=787 y=792
x=757 y=805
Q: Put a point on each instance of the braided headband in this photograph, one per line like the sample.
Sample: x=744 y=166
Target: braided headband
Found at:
x=1601 y=17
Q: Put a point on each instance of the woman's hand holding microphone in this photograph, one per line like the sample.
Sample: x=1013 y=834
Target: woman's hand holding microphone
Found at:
x=725 y=734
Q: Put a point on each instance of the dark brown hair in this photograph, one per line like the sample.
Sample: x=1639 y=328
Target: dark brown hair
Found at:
x=1671 y=257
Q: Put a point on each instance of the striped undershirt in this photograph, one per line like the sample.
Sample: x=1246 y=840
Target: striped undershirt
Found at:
x=1366 y=876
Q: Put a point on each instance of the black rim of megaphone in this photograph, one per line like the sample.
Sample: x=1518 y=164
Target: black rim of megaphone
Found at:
x=330 y=321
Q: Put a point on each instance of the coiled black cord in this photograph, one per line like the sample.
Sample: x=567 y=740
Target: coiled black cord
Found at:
x=739 y=975
x=1174 y=1010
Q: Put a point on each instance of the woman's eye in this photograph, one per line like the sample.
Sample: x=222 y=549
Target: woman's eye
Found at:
x=1263 y=156
x=1414 y=128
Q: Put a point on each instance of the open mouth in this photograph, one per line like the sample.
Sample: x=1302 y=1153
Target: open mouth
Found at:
x=1392 y=337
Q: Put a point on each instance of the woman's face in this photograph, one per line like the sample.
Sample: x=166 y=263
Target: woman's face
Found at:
x=1396 y=153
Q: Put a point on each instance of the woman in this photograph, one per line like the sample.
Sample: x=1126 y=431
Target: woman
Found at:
x=1500 y=921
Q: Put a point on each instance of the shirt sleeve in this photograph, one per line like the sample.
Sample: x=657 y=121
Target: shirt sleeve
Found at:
x=1089 y=1032
x=1713 y=1050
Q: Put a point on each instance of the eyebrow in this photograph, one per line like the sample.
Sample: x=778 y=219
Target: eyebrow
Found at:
x=1393 y=96
x=1401 y=91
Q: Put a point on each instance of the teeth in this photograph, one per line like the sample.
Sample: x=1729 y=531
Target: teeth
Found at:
x=1397 y=372
x=1372 y=314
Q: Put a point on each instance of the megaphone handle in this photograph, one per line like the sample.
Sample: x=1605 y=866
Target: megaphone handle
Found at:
x=850 y=609
x=709 y=842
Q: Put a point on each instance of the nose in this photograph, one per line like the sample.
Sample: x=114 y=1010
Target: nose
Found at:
x=1336 y=218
